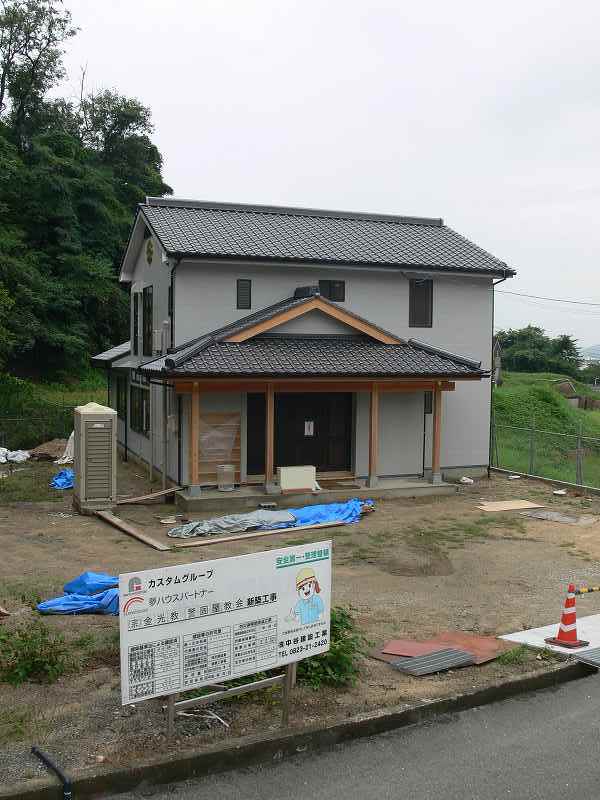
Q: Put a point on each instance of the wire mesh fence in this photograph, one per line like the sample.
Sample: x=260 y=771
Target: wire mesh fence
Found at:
x=569 y=457
x=24 y=431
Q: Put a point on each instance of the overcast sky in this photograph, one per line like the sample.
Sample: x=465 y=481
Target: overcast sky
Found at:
x=486 y=114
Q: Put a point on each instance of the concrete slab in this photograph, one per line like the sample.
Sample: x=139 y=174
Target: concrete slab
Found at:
x=588 y=628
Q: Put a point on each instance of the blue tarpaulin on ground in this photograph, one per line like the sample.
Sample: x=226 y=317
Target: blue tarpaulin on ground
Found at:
x=104 y=603
x=63 y=479
x=348 y=512
x=88 y=593
x=91 y=583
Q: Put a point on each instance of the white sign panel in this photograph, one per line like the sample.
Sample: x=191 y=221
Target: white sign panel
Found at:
x=197 y=624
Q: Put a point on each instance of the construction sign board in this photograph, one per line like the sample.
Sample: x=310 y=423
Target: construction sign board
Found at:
x=198 y=624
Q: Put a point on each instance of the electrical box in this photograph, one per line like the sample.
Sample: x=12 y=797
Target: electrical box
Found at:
x=297 y=479
x=95 y=458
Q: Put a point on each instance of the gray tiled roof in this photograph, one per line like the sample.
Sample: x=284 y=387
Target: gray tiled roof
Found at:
x=272 y=355
x=220 y=230
x=108 y=356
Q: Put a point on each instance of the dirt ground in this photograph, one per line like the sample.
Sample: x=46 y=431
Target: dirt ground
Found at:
x=411 y=569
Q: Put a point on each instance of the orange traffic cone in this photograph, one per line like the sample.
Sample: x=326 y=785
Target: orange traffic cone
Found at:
x=567 y=629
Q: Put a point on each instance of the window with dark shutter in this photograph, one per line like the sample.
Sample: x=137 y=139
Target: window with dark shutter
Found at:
x=420 y=313
x=139 y=410
x=147 y=321
x=428 y=402
x=136 y=324
x=244 y=293
x=121 y=397
x=333 y=290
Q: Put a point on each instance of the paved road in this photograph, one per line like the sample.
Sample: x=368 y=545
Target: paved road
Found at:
x=544 y=745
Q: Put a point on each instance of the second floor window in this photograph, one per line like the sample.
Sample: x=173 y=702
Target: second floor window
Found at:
x=136 y=325
x=147 y=321
x=333 y=290
x=420 y=311
x=244 y=293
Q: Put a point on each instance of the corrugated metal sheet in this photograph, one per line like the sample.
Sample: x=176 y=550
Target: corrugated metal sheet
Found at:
x=434 y=662
x=591 y=657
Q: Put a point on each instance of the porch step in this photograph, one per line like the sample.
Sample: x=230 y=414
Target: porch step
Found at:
x=248 y=497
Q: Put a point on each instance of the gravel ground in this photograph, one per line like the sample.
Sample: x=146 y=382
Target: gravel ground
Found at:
x=411 y=569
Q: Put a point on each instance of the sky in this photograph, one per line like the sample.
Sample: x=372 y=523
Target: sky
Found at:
x=487 y=115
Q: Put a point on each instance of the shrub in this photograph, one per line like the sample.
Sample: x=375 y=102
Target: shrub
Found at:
x=340 y=665
x=32 y=652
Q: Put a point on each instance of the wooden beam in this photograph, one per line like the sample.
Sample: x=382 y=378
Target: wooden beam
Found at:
x=270 y=435
x=312 y=385
x=195 y=436
x=121 y=525
x=125 y=501
x=206 y=540
x=374 y=435
x=317 y=303
x=437 y=435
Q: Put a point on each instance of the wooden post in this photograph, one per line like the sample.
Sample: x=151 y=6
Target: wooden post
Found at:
x=436 y=475
x=195 y=436
x=270 y=436
x=373 y=436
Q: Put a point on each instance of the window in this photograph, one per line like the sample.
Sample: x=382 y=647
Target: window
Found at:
x=333 y=290
x=147 y=321
x=170 y=301
x=420 y=314
x=139 y=410
x=121 y=396
x=244 y=293
x=136 y=323
x=428 y=402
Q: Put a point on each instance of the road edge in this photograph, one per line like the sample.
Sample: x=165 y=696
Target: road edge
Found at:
x=253 y=750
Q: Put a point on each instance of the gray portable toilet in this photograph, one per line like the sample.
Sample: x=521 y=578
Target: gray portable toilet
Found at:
x=95 y=458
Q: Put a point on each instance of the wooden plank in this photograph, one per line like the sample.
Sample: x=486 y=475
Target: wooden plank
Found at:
x=374 y=432
x=194 y=436
x=121 y=525
x=206 y=540
x=437 y=431
x=125 y=501
x=508 y=505
x=356 y=384
x=270 y=435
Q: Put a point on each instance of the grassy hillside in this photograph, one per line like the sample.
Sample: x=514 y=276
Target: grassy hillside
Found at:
x=527 y=399
x=32 y=413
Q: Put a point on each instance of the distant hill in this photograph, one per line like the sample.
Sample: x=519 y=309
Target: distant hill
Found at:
x=592 y=352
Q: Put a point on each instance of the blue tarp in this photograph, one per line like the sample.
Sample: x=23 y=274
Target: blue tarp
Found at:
x=329 y=512
x=88 y=593
x=104 y=603
x=90 y=583
x=63 y=479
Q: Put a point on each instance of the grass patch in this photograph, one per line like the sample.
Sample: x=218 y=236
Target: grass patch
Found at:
x=517 y=655
x=32 y=652
x=14 y=725
x=338 y=667
x=28 y=482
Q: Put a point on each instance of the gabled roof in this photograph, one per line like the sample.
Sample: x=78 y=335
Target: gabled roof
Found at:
x=201 y=230
x=248 y=348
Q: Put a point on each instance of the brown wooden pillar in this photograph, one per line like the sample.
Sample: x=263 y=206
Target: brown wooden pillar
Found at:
x=270 y=436
x=436 y=475
x=195 y=436
x=373 y=436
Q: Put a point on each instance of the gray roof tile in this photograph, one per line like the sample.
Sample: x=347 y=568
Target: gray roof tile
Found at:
x=203 y=230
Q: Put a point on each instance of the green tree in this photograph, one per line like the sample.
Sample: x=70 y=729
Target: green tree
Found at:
x=530 y=350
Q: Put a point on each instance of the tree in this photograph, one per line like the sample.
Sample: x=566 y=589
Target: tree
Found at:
x=530 y=350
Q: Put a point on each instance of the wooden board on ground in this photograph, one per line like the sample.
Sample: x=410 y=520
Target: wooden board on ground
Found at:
x=206 y=540
x=121 y=525
x=127 y=500
x=508 y=505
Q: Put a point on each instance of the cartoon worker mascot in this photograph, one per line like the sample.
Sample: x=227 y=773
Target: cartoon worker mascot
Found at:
x=310 y=606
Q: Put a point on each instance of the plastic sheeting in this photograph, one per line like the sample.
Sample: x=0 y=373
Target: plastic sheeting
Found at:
x=14 y=456
x=106 y=602
x=64 y=479
x=69 y=452
x=263 y=519
x=234 y=523
x=91 y=583
x=88 y=593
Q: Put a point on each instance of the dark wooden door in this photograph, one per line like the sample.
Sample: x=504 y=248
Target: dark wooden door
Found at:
x=315 y=429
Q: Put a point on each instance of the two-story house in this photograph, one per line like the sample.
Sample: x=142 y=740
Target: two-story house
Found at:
x=266 y=336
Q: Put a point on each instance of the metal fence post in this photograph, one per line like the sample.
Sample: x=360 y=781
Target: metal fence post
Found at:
x=532 y=448
x=579 y=458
